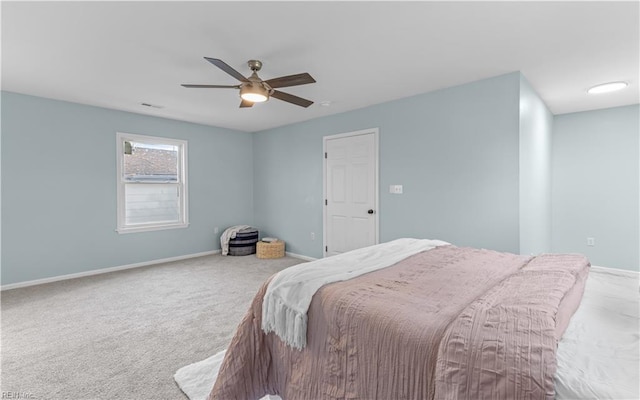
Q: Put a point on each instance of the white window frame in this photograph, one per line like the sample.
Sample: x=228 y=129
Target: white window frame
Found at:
x=183 y=222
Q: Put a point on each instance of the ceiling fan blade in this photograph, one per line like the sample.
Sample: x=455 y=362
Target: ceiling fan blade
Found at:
x=291 y=80
x=226 y=68
x=212 y=86
x=244 y=104
x=289 y=98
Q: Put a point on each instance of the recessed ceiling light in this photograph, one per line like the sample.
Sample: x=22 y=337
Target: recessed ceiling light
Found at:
x=326 y=103
x=607 y=87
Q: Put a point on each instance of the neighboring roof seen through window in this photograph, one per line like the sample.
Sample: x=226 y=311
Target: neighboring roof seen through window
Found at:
x=149 y=162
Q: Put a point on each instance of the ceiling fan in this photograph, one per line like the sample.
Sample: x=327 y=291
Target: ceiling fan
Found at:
x=255 y=90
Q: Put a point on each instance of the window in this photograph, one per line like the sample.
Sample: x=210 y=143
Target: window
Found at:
x=152 y=183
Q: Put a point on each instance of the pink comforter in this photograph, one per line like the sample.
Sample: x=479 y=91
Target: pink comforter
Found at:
x=449 y=323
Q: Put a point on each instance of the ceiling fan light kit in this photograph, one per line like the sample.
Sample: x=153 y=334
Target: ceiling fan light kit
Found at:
x=255 y=90
x=254 y=93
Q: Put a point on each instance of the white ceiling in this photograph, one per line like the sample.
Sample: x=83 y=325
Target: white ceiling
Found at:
x=120 y=54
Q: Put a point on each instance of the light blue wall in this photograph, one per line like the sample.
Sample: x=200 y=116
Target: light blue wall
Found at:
x=455 y=151
x=59 y=188
x=536 y=125
x=473 y=160
x=595 y=185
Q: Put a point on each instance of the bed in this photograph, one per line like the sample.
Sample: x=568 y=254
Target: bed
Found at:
x=447 y=322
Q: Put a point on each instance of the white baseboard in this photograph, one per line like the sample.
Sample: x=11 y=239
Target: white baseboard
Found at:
x=617 y=271
x=300 y=256
x=103 y=270
x=633 y=274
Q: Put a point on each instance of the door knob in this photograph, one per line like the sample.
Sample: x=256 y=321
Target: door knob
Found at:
x=370 y=212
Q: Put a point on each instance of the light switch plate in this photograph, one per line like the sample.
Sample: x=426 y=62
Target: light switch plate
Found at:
x=395 y=189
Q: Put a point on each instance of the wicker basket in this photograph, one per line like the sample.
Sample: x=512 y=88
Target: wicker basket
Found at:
x=270 y=250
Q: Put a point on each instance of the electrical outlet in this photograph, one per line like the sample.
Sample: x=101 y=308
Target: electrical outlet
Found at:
x=313 y=236
x=216 y=230
x=591 y=241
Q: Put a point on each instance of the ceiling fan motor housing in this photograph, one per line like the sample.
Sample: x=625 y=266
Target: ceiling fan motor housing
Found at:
x=255 y=90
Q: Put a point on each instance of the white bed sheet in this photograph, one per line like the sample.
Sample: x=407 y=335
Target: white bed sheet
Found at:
x=599 y=354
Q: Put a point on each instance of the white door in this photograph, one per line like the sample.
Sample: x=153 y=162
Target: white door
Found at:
x=351 y=191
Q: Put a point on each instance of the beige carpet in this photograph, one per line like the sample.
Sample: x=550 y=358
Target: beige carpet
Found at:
x=123 y=335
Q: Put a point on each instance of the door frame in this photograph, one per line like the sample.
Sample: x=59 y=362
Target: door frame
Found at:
x=370 y=131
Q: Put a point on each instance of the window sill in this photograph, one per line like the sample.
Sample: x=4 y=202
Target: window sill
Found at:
x=149 y=228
